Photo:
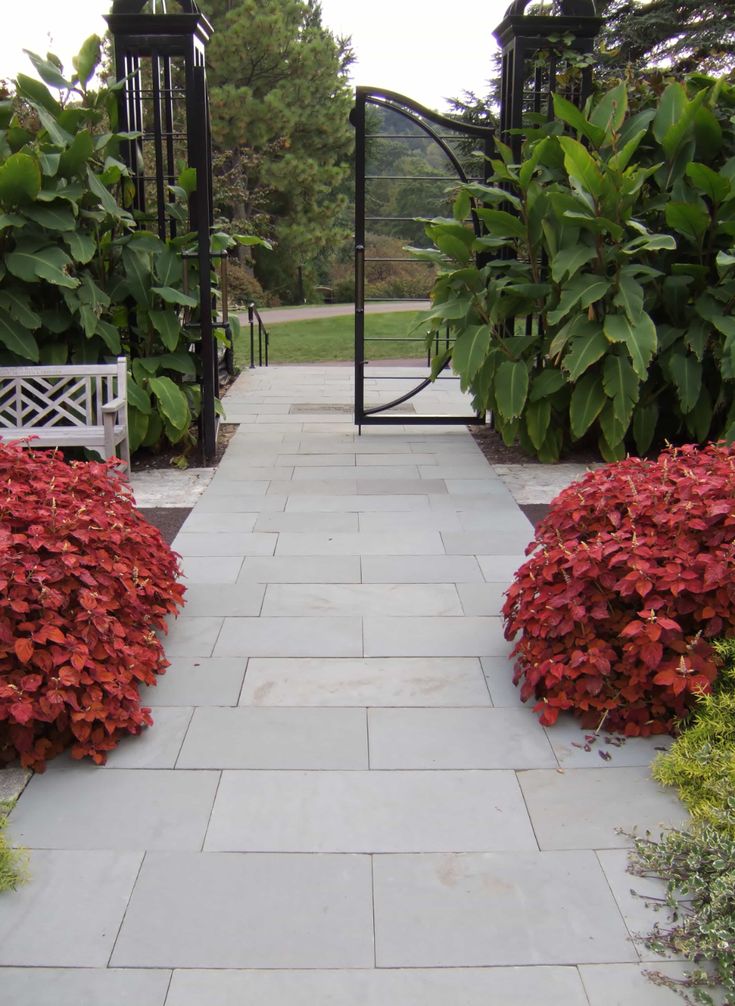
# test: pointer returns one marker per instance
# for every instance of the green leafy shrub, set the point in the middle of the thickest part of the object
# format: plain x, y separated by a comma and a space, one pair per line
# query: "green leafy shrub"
601, 307
81, 278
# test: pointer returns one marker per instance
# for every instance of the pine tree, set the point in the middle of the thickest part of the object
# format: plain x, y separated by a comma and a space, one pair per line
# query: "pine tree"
280, 103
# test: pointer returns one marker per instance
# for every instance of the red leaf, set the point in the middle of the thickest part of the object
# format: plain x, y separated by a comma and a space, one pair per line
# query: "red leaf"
24, 649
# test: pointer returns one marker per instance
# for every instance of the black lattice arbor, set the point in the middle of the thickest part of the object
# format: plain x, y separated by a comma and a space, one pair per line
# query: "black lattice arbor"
539, 51
161, 57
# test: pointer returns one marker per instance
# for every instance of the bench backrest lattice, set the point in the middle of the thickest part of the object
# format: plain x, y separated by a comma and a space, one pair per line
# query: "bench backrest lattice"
70, 405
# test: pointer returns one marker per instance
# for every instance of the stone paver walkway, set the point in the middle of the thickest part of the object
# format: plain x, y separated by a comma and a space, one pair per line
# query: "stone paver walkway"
342, 800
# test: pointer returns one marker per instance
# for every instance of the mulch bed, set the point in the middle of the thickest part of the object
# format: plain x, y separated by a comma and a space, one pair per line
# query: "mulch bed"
491, 444
168, 519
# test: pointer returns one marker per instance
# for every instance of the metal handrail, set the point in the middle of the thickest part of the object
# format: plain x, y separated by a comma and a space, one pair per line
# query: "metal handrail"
263, 338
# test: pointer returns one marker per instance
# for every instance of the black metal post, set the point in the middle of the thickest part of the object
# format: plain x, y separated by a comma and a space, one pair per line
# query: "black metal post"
358, 121
251, 320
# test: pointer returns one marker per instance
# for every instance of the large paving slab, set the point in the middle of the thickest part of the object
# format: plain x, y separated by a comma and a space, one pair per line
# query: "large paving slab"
69, 912
44, 986
382, 987
365, 681
230, 910
290, 636
276, 738
496, 909
84, 807
198, 681
457, 739
584, 808
368, 812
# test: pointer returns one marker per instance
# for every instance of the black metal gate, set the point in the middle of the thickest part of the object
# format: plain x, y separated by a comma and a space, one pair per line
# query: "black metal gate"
442, 151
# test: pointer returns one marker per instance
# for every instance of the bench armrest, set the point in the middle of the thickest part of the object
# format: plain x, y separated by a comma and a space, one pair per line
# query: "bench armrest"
114, 406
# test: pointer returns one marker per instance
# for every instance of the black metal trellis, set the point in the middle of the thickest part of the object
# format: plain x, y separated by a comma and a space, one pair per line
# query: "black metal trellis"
161, 57
444, 133
527, 82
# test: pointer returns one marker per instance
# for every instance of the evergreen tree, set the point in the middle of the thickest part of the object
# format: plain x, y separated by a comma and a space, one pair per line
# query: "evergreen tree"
686, 36
280, 103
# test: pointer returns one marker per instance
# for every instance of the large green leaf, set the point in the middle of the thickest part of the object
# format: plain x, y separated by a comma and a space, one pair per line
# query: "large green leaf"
501, 224
699, 420
671, 108
538, 417
137, 275
687, 219
610, 111
48, 71
511, 388
172, 401
110, 335
181, 363
639, 336
584, 289
82, 246
77, 154
715, 186
18, 305
137, 426
613, 430
20, 180
587, 401
86, 62
645, 419
48, 264
168, 326
567, 262
581, 167
139, 398
52, 218
568, 112
546, 383
470, 350
686, 373
621, 384
168, 267
171, 296
17, 339
629, 296
583, 353
37, 92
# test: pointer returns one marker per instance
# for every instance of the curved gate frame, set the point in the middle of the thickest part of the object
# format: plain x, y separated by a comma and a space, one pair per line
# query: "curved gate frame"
426, 120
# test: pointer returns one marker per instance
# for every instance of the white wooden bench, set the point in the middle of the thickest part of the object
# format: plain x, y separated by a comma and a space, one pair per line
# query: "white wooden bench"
67, 406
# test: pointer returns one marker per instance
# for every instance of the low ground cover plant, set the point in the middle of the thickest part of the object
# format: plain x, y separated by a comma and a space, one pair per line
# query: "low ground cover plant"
699, 864
13, 862
85, 583
630, 580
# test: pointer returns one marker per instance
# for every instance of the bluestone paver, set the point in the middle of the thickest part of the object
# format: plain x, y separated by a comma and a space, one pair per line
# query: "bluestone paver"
383, 987
69, 912
362, 599
84, 807
44, 986
294, 636
365, 681
276, 738
230, 910
496, 909
157, 746
626, 984
368, 812
198, 681
302, 569
456, 739
582, 808
420, 569
466, 636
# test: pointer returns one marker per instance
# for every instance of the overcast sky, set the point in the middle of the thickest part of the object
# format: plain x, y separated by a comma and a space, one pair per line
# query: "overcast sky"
428, 51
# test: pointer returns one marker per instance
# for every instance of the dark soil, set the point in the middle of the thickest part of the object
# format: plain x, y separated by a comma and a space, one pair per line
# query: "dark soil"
168, 519
146, 460
535, 511
491, 444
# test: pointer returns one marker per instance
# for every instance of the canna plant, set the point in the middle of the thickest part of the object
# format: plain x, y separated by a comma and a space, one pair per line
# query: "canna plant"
81, 276
597, 303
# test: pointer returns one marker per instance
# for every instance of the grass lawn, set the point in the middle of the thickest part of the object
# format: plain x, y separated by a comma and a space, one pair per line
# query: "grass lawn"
334, 339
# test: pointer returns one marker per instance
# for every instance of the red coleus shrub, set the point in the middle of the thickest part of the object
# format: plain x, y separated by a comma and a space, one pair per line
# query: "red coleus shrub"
84, 583
631, 578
